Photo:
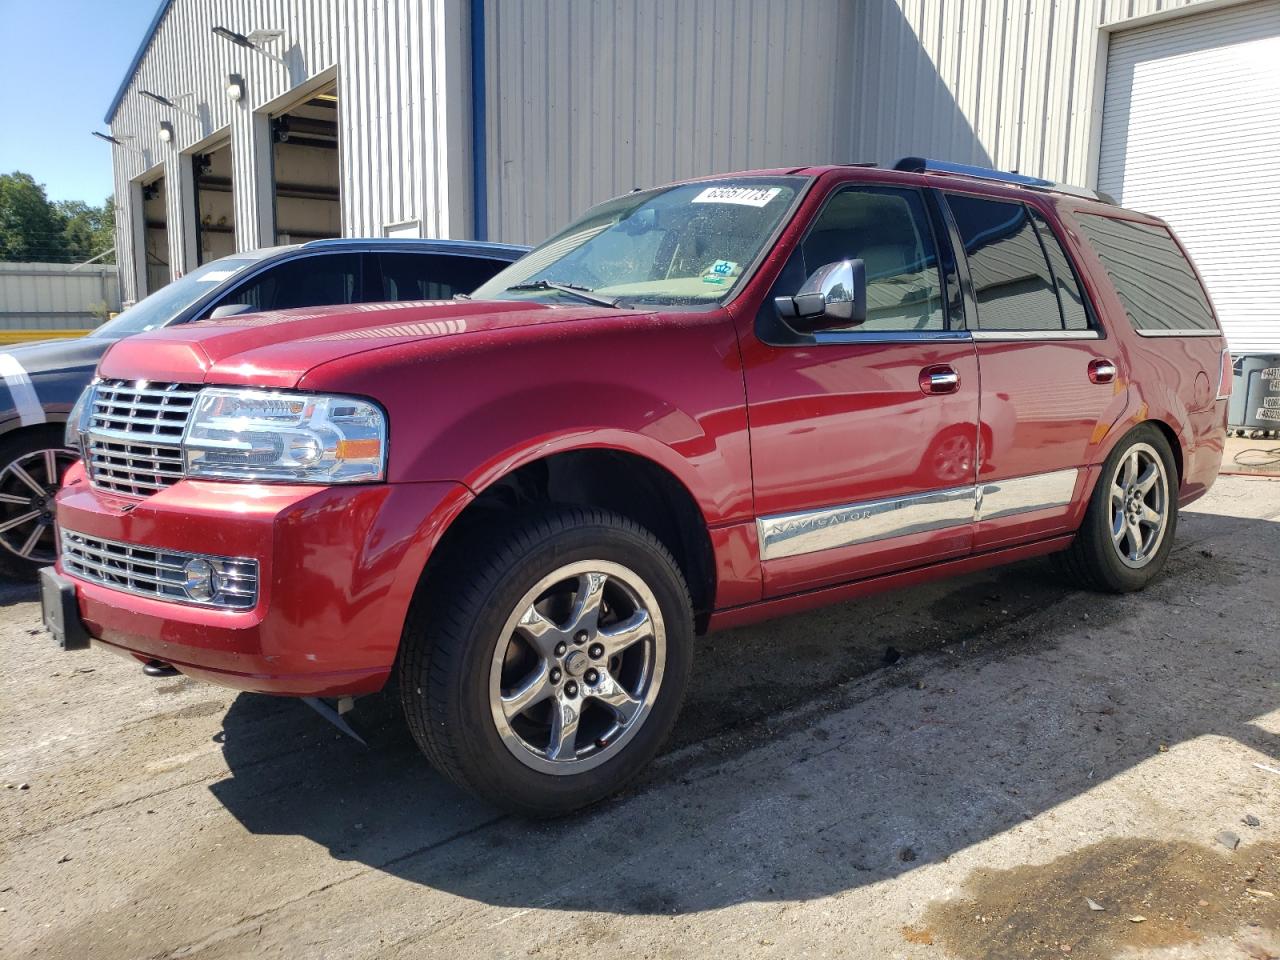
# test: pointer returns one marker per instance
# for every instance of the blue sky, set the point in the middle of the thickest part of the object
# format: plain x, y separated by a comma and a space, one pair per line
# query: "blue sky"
60, 64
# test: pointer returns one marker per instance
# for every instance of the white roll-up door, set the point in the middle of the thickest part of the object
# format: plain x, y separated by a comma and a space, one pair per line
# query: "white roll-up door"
1191, 133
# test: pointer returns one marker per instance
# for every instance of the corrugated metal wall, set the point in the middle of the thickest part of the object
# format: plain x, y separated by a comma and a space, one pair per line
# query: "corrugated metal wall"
1014, 84
56, 296
589, 99
395, 62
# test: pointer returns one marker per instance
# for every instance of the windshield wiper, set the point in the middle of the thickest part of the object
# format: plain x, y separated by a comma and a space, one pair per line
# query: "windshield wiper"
572, 289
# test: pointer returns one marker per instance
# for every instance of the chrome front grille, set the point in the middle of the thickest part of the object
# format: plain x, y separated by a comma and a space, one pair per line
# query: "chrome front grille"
134, 435
157, 573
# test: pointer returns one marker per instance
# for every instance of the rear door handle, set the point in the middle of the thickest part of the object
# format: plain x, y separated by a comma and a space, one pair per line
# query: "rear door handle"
1102, 371
939, 379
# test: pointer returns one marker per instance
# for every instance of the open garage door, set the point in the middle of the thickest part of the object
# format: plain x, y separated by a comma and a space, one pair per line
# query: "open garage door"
214, 203
305, 170
1191, 133
155, 235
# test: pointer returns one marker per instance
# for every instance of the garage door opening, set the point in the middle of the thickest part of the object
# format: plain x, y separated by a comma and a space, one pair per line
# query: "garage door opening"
155, 234
1191, 133
214, 204
305, 184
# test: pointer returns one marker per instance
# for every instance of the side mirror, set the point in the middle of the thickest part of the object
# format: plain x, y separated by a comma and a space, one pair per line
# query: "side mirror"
835, 295
230, 310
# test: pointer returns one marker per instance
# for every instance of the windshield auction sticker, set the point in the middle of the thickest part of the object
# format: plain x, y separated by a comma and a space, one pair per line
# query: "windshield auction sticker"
743, 196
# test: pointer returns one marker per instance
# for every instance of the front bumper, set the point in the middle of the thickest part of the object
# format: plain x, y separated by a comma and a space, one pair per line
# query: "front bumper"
338, 567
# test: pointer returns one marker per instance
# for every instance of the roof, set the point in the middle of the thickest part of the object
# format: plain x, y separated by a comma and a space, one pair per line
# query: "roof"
137, 59
497, 251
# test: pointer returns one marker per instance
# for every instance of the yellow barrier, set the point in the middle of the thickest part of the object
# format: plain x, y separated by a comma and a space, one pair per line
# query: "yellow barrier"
30, 336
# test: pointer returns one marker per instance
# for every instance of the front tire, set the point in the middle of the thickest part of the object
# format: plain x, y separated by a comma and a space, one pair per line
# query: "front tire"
546, 670
32, 464
1132, 517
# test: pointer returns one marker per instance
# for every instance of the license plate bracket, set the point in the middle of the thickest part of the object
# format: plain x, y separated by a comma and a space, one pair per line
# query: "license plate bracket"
60, 610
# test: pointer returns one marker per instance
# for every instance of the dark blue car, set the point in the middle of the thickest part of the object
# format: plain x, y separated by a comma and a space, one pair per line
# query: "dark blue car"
39, 382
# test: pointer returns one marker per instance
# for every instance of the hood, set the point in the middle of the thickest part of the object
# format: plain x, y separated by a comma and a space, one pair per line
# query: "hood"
40, 381
276, 349
50, 356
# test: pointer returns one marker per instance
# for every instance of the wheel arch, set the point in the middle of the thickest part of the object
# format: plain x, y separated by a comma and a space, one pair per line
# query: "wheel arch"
604, 472
1167, 430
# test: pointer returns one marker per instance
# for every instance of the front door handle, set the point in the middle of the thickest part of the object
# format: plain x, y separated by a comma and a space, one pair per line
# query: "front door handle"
1102, 371
939, 379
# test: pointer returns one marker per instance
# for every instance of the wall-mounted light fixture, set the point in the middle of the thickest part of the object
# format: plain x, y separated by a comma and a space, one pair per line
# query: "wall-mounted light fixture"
239, 39
171, 102
235, 87
118, 141
166, 131
254, 41
163, 101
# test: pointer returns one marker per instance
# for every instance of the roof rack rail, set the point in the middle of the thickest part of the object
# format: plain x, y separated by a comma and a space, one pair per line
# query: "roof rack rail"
923, 165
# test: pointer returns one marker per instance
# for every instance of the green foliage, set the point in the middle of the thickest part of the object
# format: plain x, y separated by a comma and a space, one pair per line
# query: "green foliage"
89, 230
34, 229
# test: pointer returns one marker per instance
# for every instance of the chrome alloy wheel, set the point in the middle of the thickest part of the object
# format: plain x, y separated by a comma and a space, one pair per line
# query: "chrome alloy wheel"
577, 667
1139, 505
27, 488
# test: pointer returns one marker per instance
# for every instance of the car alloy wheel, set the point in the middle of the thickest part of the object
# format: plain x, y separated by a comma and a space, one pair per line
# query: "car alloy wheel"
1139, 505
577, 667
28, 486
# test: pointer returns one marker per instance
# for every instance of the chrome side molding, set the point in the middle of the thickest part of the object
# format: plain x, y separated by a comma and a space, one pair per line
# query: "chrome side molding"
791, 534
811, 531
1024, 494
1036, 335
1190, 332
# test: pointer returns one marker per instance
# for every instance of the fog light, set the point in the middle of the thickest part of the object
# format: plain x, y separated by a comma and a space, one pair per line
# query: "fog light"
198, 579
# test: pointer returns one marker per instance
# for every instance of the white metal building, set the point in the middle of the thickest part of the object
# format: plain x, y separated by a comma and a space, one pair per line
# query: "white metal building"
244, 123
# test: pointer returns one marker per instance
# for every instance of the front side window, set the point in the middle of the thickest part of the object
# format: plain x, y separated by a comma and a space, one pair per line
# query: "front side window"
888, 230
687, 245
165, 304
310, 281
1153, 277
1012, 281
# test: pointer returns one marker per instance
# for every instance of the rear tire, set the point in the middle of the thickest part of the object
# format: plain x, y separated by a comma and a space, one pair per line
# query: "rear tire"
32, 464
1132, 517
545, 668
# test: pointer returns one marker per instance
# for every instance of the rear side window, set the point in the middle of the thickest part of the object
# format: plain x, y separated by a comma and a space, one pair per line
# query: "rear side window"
424, 276
1012, 280
1070, 299
1153, 277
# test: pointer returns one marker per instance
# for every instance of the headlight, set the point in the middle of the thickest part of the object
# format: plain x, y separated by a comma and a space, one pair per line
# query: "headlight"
291, 437
74, 437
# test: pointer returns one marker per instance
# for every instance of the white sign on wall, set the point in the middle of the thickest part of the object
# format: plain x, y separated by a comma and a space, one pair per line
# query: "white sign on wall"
404, 230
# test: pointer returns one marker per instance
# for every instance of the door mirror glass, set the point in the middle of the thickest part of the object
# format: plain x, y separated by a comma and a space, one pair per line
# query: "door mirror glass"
229, 310
835, 295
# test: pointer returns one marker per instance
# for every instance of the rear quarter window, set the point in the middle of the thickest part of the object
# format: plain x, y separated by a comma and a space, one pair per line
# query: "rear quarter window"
1152, 276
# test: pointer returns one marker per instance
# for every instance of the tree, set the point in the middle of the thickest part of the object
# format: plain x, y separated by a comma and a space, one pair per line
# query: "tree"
31, 228
89, 230
34, 229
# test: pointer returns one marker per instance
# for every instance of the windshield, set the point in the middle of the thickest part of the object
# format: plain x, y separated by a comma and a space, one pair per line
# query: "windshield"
166, 303
688, 244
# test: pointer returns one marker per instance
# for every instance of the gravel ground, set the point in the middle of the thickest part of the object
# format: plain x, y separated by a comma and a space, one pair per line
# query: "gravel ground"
953, 771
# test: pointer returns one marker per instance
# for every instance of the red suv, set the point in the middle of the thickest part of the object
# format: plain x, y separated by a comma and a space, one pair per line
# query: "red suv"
698, 406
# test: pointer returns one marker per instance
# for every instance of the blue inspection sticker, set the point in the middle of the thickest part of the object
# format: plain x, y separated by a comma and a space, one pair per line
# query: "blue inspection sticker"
720, 272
